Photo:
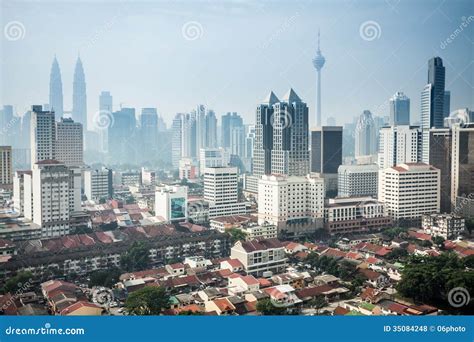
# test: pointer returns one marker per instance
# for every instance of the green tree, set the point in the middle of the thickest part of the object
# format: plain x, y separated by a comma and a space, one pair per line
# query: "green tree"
22, 281
136, 258
397, 254
149, 300
266, 307
317, 303
106, 278
438, 241
237, 235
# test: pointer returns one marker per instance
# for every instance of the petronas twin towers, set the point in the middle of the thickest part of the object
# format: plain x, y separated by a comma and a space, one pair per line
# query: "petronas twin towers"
79, 97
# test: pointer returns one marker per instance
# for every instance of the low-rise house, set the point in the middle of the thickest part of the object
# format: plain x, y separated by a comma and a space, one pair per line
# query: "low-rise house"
82, 308
234, 265
222, 306
375, 279
176, 269
197, 262
294, 279
294, 247
283, 295
239, 284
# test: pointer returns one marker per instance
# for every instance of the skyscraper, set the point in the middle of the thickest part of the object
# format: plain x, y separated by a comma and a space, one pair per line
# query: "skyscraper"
229, 121
318, 63
433, 108
176, 139
105, 108
211, 129
263, 145
122, 135
79, 98
398, 145
290, 153
399, 109
56, 90
326, 155
149, 133
43, 135
365, 135
440, 158
6, 169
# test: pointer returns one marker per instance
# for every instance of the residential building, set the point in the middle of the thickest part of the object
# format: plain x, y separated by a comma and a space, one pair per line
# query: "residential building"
69, 142
410, 190
148, 177
445, 225
357, 180
354, 215
43, 135
294, 204
260, 257
98, 184
6, 168
188, 168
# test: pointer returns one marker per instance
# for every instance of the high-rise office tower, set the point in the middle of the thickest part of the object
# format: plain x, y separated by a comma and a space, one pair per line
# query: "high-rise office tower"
365, 135
399, 145
149, 133
440, 158
69, 142
237, 141
326, 155
211, 129
105, 108
399, 109
318, 63
462, 169
6, 168
290, 153
249, 147
229, 121
447, 104
56, 90
176, 139
264, 136
410, 190
201, 131
79, 97
43, 135
433, 108
7, 125
122, 135
189, 135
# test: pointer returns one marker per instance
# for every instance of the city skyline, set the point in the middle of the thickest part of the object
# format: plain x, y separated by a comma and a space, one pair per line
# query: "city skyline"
356, 78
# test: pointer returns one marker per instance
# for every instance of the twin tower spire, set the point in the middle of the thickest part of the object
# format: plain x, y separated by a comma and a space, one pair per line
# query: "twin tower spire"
79, 97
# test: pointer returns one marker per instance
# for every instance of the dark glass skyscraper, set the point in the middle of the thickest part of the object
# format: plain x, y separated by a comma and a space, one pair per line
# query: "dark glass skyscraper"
79, 98
326, 149
56, 90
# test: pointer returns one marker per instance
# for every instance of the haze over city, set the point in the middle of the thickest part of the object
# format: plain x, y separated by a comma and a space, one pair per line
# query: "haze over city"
238, 52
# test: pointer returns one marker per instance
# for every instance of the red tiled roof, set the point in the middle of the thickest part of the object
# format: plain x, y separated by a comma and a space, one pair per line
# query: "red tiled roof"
235, 263
76, 306
261, 245
313, 291
224, 304
340, 311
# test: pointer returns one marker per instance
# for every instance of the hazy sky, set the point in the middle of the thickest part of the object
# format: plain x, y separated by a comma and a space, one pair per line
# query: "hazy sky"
142, 53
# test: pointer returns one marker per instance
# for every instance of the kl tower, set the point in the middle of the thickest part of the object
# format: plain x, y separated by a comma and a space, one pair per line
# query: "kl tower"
318, 63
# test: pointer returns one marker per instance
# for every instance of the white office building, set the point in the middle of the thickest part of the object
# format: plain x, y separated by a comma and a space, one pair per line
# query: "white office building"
171, 203
410, 190
357, 180
213, 157
398, 145
43, 135
221, 192
295, 204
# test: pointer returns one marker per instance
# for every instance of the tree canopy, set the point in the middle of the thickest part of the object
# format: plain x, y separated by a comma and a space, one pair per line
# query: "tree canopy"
136, 258
146, 301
